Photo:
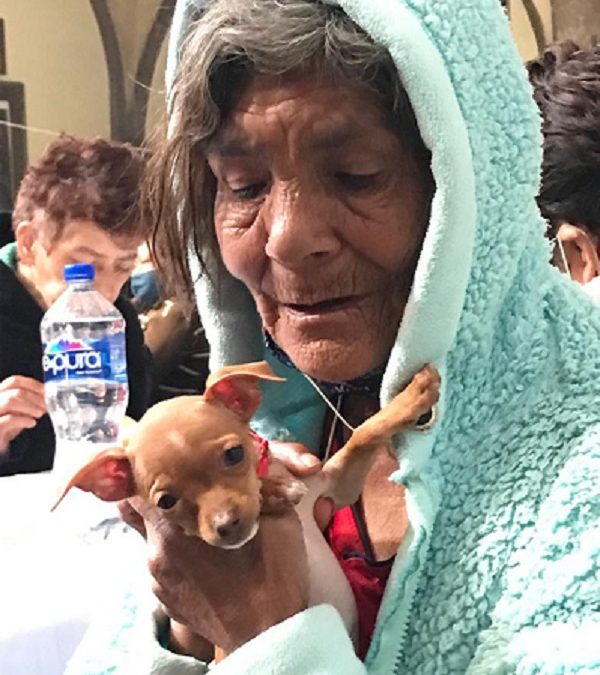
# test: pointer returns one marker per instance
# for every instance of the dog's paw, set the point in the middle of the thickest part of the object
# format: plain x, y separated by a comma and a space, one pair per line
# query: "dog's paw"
416, 402
425, 392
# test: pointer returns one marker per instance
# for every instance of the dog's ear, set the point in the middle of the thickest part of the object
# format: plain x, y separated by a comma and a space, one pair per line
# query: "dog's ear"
109, 475
237, 387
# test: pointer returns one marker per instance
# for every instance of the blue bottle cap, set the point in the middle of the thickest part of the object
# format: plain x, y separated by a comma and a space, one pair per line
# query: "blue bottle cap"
79, 272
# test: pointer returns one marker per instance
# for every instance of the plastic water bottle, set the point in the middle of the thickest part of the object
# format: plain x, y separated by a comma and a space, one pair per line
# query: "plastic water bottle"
85, 370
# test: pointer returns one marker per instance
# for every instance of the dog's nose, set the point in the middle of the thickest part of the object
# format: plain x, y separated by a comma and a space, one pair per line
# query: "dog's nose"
225, 531
226, 523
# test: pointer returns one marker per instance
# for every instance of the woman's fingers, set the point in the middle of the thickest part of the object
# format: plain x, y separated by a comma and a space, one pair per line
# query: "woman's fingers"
21, 402
22, 396
11, 426
21, 405
324, 510
22, 382
300, 461
296, 457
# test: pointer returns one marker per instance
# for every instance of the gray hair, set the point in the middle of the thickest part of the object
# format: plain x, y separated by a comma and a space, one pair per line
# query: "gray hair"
232, 41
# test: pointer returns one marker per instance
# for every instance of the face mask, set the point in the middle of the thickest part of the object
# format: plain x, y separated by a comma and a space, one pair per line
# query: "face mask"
592, 288
145, 287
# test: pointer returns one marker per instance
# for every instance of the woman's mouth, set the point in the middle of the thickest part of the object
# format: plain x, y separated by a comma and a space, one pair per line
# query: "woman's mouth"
324, 307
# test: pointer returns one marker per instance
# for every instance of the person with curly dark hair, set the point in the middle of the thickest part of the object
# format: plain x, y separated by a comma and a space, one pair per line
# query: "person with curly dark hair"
566, 82
77, 203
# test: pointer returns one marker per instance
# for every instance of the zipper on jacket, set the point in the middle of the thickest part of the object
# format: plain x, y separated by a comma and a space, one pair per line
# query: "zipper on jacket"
413, 565
410, 601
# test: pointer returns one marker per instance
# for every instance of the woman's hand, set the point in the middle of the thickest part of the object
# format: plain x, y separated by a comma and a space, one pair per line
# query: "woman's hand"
228, 596
300, 461
21, 405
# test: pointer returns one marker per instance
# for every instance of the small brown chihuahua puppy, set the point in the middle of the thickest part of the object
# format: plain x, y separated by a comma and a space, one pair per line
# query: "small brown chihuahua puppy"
196, 459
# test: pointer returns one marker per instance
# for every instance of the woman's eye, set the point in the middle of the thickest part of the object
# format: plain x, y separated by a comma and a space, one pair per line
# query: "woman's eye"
233, 456
166, 502
251, 191
356, 182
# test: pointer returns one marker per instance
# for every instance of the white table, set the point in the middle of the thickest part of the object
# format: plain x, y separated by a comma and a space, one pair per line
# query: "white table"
56, 571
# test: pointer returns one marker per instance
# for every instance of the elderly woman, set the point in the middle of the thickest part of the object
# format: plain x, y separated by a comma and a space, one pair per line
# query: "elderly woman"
358, 180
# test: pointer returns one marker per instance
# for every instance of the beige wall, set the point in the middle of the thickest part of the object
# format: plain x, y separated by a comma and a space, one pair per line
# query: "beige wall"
133, 19
54, 47
521, 26
578, 20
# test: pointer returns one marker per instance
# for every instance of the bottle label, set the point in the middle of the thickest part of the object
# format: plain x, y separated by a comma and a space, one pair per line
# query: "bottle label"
104, 359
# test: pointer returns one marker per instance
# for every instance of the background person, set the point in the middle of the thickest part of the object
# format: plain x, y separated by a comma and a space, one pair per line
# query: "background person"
77, 203
173, 335
144, 284
359, 179
566, 82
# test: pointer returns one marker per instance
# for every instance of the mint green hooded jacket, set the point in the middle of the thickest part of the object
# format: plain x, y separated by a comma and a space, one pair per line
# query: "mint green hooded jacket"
499, 571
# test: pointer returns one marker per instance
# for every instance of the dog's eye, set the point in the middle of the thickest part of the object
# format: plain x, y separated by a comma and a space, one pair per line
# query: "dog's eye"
166, 502
234, 455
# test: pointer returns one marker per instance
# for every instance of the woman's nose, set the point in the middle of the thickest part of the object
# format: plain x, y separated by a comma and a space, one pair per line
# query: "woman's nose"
299, 226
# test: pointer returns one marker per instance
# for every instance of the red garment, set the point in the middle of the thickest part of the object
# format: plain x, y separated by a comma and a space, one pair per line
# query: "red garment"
366, 576
262, 467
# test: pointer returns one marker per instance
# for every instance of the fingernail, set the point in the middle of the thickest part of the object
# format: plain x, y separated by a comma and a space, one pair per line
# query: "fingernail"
309, 460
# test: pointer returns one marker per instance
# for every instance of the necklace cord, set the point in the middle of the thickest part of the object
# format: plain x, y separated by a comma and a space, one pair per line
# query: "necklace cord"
335, 411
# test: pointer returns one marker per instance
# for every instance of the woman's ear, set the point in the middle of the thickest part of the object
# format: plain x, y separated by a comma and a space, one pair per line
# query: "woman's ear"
581, 259
26, 234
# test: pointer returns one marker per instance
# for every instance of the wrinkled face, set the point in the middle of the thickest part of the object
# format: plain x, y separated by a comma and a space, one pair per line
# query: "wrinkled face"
320, 210
197, 463
82, 242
